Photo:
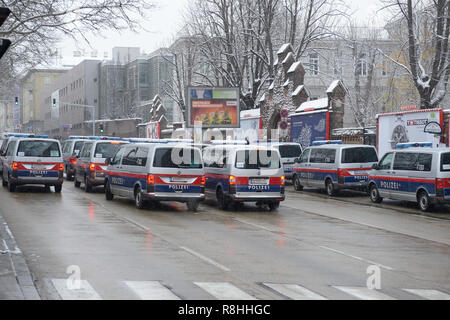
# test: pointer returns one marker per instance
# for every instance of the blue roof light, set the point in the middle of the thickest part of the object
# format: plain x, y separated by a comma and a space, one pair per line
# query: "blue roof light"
229, 142
78, 137
42, 136
323, 142
414, 145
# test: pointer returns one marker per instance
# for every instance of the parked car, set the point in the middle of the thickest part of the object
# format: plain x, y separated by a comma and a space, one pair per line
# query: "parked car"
333, 166
244, 173
90, 166
156, 172
33, 161
413, 172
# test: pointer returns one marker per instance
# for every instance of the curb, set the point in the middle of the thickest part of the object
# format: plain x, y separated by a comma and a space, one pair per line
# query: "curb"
399, 209
18, 264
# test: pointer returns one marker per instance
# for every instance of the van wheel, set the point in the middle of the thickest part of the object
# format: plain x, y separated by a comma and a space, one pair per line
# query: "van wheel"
221, 201
4, 183
58, 188
47, 188
108, 194
76, 183
424, 201
87, 185
329, 186
11, 187
374, 194
274, 205
297, 185
193, 205
139, 198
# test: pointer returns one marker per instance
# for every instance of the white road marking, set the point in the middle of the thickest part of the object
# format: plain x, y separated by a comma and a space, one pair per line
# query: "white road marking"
151, 290
8, 231
224, 291
206, 259
357, 258
86, 292
323, 247
294, 291
364, 293
429, 294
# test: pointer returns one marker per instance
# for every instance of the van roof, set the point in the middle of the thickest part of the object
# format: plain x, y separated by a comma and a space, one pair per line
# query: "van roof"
428, 150
242, 147
341, 146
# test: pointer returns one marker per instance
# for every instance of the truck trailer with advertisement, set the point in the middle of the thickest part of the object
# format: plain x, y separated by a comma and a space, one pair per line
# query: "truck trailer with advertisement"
407, 126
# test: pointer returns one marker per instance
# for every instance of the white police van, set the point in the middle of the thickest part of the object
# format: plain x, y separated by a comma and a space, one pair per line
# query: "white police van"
90, 165
70, 149
35, 160
289, 152
334, 166
4, 140
414, 172
244, 173
156, 171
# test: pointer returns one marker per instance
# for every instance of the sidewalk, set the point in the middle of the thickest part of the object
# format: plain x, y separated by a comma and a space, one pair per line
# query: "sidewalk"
15, 278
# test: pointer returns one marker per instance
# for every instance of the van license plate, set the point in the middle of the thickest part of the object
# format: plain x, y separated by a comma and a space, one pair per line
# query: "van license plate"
258, 181
178, 179
39, 173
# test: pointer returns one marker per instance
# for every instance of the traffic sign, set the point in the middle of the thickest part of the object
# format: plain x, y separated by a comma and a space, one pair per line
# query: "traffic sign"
283, 125
284, 113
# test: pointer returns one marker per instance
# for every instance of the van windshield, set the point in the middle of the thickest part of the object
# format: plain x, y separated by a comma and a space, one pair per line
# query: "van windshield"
256, 159
445, 162
359, 155
183, 158
38, 148
78, 146
290, 151
106, 150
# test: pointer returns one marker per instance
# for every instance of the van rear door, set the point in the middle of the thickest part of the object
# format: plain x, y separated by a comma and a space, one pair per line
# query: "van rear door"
177, 169
38, 158
258, 171
356, 163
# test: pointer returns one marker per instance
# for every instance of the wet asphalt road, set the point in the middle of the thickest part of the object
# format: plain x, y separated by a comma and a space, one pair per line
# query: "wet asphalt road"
321, 245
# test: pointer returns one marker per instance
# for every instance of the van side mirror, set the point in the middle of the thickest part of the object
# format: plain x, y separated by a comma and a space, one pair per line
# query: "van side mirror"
376, 166
297, 160
108, 161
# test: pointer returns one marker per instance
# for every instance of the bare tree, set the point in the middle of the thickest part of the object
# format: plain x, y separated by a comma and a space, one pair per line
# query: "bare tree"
35, 26
424, 27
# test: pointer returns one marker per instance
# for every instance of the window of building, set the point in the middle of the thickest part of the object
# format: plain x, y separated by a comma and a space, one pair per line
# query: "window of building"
362, 65
384, 68
314, 64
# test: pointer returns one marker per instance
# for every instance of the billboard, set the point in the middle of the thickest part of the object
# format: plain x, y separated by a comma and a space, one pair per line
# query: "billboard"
213, 107
153, 130
401, 127
310, 126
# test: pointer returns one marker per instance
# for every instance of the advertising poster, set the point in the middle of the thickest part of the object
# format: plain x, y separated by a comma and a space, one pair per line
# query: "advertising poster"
152, 130
402, 127
308, 127
213, 107
250, 129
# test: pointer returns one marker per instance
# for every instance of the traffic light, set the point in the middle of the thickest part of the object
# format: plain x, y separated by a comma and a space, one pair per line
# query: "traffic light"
101, 127
16, 101
4, 43
54, 103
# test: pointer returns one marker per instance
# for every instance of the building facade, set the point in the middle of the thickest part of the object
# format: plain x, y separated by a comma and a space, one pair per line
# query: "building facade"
33, 84
79, 86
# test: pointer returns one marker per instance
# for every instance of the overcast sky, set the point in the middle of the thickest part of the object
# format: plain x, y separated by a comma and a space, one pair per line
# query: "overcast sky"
166, 20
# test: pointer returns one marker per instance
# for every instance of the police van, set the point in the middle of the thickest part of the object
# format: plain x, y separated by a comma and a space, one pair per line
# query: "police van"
35, 160
4, 140
90, 165
333, 166
244, 173
157, 171
70, 149
414, 172
289, 152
